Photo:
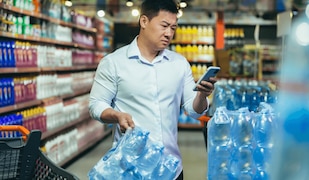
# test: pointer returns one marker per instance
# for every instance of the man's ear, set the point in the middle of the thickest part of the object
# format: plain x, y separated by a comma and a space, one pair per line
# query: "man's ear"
143, 20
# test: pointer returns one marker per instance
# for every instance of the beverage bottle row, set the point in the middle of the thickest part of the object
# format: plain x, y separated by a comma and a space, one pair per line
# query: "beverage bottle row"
235, 94
198, 70
196, 52
194, 34
234, 37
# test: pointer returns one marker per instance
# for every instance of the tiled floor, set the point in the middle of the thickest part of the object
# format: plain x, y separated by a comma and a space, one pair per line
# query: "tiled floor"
192, 146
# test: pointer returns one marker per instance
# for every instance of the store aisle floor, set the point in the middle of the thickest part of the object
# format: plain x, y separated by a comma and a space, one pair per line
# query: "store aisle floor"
192, 147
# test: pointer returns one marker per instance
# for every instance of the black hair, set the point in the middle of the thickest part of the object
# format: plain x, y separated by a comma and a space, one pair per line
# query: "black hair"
151, 8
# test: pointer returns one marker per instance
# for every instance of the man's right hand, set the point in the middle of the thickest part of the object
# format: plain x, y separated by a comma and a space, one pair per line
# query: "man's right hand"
125, 121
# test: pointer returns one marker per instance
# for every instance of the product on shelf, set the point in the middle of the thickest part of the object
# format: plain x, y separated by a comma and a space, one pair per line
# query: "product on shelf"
11, 119
82, 20
196, 53
34, 118
234, 37
243, 61
194, 34
6, 92
24, 89
62, 146
104, 36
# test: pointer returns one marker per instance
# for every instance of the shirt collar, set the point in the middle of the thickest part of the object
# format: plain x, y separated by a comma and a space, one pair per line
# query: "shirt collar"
134, 53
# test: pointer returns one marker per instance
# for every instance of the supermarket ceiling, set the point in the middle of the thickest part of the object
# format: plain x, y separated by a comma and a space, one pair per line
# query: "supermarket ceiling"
90, 7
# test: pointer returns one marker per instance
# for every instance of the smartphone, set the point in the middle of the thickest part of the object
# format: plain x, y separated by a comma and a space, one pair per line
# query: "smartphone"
211, 72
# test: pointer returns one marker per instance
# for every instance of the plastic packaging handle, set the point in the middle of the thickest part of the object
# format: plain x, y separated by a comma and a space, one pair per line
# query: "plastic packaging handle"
25, 132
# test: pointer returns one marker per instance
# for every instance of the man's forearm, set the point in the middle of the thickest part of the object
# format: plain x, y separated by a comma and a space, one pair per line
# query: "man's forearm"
200, 103
109, 116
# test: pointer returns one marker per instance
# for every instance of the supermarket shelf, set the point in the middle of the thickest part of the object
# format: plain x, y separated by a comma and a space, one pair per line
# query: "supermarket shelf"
37, 102
193, 43
20, 106
270, 70
53, 132
72, 68
83, 149
76, 93
44, 40
45, 17
30, 71
10, 70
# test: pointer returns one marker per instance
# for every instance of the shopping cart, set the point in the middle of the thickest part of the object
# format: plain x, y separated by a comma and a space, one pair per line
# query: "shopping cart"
21, 158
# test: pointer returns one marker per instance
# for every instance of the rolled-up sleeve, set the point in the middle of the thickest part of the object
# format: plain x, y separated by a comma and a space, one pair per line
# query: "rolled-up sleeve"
103, 89
188, 96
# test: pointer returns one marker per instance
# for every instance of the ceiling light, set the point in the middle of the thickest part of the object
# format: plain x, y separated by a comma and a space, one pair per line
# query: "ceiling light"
101, 13
183, 4
129, 3
135, 12
68, 3
180, 13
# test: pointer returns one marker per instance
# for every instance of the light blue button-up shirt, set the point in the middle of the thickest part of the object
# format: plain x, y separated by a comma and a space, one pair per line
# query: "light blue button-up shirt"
151, 92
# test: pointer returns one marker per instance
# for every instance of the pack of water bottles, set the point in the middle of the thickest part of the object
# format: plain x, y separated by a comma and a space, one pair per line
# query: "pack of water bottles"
135, 156
240, 143
235, 94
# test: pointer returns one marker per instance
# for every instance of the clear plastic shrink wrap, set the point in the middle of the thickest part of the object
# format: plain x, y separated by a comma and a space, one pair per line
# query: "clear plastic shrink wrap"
135, 156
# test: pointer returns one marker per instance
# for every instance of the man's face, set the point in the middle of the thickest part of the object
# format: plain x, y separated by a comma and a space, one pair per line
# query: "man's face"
161, 29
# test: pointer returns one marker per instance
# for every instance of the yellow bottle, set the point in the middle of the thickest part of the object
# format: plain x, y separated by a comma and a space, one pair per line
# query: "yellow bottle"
194, 72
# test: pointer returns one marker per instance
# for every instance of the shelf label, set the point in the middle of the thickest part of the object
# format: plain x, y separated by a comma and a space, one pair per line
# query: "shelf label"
284, 23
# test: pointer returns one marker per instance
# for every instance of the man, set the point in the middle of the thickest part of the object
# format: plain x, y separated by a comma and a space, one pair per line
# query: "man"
144, 84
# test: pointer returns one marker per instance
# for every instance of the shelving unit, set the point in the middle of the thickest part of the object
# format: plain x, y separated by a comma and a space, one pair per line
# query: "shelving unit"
196, 43
244, 37
95, 53
270, 62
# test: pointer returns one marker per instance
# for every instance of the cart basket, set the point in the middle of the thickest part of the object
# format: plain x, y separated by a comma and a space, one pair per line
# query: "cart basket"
21, 158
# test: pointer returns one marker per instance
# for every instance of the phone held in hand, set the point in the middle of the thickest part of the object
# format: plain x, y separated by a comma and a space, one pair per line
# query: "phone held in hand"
211, 72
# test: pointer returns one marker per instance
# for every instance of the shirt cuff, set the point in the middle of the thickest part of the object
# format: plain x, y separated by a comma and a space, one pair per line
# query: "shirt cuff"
97, 109
192, 113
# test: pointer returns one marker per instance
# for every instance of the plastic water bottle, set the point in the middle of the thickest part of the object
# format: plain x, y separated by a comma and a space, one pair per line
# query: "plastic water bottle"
255, 100
135, 144
149, 159
242, 137
166, 169
135, 156
219, 145
131, 174
244, 101
242, 128
231, 103
291, 157
109, 169
264, 129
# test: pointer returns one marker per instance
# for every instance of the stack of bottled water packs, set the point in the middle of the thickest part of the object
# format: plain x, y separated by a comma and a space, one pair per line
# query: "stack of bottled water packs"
240, 143
136, 157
